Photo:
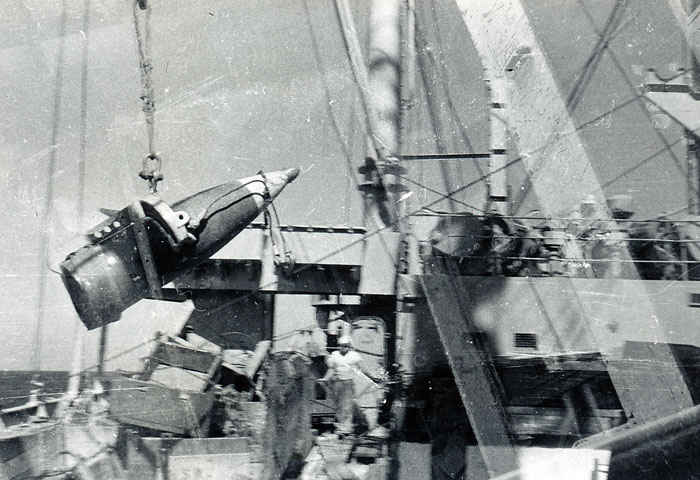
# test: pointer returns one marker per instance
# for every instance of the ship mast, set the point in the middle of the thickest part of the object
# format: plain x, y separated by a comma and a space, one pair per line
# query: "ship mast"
382, 170
378, 81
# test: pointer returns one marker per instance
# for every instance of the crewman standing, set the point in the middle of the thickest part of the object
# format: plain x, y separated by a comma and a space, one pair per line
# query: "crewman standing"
343, 365
338, 326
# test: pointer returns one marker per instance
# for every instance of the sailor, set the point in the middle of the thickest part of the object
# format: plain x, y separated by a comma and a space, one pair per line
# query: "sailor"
343, 365
586, 229
337, 327
572, 250
616, 241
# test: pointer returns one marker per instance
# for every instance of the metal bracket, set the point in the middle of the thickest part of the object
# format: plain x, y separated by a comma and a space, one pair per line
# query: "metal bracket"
674, 98
137, 216
175, 222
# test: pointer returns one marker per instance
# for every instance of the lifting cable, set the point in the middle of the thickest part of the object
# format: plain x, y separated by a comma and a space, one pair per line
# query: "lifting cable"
151, 168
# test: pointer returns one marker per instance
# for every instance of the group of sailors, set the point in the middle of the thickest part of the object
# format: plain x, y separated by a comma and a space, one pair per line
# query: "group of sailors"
591, 242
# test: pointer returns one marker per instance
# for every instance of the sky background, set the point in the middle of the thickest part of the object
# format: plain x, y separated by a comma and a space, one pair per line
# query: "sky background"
242, 86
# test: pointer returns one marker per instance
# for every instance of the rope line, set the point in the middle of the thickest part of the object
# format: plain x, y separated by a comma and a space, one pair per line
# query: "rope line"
143, 43
151, 171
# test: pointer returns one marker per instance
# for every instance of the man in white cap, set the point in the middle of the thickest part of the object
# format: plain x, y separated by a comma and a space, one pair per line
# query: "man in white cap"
343, 365
337, 327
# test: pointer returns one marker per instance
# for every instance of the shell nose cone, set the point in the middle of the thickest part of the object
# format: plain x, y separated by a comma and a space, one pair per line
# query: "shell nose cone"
292, 174
277, 180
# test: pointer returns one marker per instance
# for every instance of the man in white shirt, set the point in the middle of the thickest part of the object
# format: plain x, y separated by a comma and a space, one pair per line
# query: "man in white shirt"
343, 366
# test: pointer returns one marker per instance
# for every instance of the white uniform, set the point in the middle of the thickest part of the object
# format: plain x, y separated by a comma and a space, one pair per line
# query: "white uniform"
346, 365
344, 368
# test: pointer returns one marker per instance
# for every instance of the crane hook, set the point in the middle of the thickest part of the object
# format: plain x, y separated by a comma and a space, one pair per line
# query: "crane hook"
151, 171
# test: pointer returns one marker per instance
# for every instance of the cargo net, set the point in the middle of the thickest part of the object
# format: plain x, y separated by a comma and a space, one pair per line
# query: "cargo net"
655, 249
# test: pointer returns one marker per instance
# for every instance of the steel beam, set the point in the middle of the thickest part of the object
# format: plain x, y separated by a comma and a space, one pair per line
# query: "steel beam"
474, 373
645, 437
328, 261
676, 101
247, 275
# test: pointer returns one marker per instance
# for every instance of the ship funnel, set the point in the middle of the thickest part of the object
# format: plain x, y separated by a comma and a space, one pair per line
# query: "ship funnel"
147, 244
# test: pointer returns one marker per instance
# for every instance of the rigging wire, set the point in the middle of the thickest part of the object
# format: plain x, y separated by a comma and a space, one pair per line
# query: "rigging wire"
454, 114
434, 114
642, 162
115, 356
86, 369
83, 113
581, 260
590, 122
586, 75
432, 190
591, 66
631, 87
437, 63
407, 67
350, 179
519, 159
49, 200
579, 127
79, 337
347, 151
580, 239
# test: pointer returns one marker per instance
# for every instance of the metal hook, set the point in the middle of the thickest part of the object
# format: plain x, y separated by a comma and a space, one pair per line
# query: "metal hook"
151, 171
